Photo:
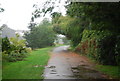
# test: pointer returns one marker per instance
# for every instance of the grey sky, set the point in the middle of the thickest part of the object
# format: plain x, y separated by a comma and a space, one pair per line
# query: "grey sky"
17, 13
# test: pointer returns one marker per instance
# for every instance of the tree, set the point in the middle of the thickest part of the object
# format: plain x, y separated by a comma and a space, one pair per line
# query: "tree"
55, 16
100, 19
40, 36
72, 28
101, 16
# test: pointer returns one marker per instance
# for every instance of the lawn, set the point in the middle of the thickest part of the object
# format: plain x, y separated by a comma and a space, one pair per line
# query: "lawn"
31, 68
112, 71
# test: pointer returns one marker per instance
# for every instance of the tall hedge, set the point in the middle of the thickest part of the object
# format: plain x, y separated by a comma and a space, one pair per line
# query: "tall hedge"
103, 46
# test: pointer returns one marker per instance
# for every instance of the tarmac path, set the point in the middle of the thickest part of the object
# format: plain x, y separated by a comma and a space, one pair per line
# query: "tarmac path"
68, 65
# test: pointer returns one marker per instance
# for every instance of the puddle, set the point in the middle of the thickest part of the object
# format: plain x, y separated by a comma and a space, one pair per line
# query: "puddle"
50, 66
53, 72
74, 67
82, 72
68, 75
75, 71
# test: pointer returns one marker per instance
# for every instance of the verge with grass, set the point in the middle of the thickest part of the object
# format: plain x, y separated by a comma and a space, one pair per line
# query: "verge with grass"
112, 71
31, 68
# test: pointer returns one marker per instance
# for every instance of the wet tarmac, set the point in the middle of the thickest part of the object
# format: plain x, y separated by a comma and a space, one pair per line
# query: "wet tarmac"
67, 65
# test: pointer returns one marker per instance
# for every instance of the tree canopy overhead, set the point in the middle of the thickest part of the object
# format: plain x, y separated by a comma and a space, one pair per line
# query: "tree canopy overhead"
101, 16
90, 26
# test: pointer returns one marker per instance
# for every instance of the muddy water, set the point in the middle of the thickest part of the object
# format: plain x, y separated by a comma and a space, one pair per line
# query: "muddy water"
86, 73
68, 65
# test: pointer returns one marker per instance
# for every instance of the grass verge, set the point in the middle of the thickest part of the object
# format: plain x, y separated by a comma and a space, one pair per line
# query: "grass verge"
112, 71
31, 68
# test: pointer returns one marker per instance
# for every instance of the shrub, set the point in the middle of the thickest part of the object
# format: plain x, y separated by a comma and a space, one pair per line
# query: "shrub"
13, 56
4, 57
13, 49
101, 46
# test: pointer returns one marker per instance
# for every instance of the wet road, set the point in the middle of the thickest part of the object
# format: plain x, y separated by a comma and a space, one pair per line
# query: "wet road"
68, 65
60, 49
58, 66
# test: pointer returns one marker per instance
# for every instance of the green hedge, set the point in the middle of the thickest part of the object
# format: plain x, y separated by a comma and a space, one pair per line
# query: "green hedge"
103, 46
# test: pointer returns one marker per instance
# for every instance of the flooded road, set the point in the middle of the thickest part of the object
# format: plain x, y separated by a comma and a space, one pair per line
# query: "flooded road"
68, 65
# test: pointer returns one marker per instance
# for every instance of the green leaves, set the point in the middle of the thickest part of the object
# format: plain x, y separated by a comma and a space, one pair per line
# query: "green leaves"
40, 36
6, 46
102, 16
100, 45
13, 49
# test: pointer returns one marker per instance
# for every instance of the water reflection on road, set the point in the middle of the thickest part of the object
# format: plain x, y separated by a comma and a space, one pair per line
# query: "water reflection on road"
68, 65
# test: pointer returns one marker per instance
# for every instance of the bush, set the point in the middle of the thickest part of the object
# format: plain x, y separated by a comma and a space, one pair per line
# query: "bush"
4, 57
13, 49
107, 50
13, 56
101, 46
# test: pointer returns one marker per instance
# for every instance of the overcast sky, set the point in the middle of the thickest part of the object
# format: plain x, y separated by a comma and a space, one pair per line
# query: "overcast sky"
17, 13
